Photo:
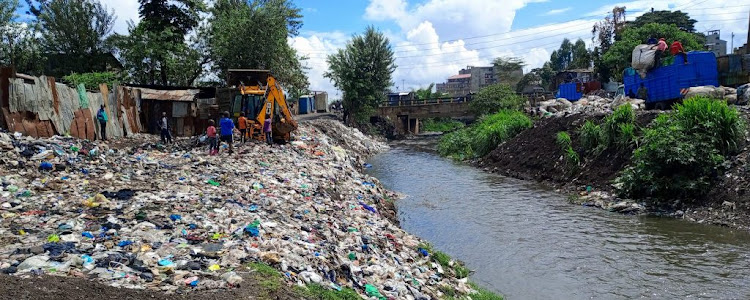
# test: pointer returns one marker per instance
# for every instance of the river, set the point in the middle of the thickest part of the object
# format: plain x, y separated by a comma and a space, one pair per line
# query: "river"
526, 242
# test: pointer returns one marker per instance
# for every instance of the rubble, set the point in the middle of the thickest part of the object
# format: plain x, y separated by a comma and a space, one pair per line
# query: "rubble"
175, 218
595, 104
589, 104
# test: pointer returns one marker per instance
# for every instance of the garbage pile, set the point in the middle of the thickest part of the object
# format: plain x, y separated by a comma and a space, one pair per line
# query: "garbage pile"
143, 217
727, 93
589, 104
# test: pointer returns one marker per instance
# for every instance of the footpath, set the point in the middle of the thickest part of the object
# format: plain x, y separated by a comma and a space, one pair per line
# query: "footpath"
163, 220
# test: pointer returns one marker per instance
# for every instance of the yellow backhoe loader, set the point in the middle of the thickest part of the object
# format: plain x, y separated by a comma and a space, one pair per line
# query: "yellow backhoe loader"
260, 97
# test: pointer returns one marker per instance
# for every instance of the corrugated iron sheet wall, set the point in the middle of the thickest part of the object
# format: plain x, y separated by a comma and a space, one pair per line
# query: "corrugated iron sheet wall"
44, 108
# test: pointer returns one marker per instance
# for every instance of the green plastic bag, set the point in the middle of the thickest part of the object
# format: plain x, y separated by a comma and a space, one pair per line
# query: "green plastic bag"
372, 291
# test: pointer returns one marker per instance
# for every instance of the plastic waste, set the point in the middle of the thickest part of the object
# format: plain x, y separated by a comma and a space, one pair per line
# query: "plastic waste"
46, 166
213, 182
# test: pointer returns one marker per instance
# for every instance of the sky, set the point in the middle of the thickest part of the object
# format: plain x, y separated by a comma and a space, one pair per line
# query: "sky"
434, 39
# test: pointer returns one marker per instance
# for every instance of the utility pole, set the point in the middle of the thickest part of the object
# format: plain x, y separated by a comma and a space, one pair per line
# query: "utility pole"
731, 50
402, 84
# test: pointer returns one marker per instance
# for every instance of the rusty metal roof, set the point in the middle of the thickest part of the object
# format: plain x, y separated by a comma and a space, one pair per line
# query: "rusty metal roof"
169, 95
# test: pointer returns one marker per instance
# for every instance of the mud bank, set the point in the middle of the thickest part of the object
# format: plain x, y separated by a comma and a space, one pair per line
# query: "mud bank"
535, 155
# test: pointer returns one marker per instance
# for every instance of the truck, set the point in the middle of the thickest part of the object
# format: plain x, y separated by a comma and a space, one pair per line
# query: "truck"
668, 84
260, 96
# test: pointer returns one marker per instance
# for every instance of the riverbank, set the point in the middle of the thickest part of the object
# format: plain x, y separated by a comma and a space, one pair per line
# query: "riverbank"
175, 220
535, 154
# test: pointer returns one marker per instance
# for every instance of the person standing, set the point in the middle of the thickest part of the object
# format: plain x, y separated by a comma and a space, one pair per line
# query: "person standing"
213, 147
227, 129
643, 92
242, 125
267, 130
166, 136
102, 117
676, 49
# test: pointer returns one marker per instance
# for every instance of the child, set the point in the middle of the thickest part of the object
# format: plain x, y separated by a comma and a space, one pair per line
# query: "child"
213, 146
227, 130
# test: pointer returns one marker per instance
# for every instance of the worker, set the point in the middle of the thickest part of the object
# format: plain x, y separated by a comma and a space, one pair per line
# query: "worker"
227, 129
660, 47
643, 92
102, 117
676, 49
166, 136
267, 131
242, 125
631, 95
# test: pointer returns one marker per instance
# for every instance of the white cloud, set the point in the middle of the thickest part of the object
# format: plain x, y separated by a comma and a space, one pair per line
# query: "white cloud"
125, 10
556, 11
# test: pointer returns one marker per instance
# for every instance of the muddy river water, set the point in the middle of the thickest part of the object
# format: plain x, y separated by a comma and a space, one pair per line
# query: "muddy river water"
526, 242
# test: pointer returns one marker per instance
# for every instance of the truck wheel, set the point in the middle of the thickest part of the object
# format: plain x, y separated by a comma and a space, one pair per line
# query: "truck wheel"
660, 105
649, 105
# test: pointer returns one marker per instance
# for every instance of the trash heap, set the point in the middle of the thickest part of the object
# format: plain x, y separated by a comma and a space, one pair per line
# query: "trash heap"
144, 217
594, 104
589, 104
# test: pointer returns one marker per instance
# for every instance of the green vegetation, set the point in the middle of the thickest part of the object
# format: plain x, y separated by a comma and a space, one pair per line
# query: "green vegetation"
483, 294
591, 136
92, 80
566, 145
316, 291
563, 140
495, 98
683, 151
362, 71
617, 130
271, 280
484, 136
440, 125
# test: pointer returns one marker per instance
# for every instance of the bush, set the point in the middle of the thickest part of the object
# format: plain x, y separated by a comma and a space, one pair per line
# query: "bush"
626, 137
590, 135
92, 80
563, 140
495, 98
622, 115
484, 136
440, 125
682, 152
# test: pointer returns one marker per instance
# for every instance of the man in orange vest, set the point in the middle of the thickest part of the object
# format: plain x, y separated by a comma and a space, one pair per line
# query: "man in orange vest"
242, 124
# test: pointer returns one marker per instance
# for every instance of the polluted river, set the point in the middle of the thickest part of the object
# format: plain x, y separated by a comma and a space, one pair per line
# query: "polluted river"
525, 241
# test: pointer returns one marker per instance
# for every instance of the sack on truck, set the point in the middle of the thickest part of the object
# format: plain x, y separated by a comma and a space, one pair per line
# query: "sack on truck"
643, 59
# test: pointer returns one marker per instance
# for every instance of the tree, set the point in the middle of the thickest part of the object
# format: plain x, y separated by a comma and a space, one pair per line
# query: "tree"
680, 19
426, 93
494, 98
604, 34
19, 42
156, 50
363, 71
619, 56
253, 35
537, 76
509, 69
178, 16
570, 56
151, 57
73, 33
7, 12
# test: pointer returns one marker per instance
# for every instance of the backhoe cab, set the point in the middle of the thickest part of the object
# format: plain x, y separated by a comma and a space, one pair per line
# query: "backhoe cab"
259, 97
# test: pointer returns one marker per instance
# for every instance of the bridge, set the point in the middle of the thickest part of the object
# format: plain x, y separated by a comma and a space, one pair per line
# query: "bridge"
407, 113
